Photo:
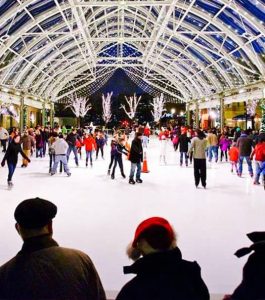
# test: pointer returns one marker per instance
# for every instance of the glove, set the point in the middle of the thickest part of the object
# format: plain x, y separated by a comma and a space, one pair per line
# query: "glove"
2, 163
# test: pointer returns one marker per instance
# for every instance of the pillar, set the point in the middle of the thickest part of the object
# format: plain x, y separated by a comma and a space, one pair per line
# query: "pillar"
222, 113
21, 114
197, 119
188, 114
52, 114
43, 113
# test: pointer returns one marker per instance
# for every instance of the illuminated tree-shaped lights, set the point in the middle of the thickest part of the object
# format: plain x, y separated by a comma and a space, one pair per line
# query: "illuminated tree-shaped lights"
158, 107
133, 104
106, 105
251, 107
79, 107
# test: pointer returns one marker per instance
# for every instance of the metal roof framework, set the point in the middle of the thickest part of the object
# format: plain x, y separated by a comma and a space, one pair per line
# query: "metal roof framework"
188, 49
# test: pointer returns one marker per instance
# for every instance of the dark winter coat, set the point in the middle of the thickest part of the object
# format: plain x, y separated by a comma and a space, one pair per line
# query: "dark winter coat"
43, 270
183, 143
244, 143
252, 286
136, 152
11, 155
71, 138
100, 141
164, 276
39, 141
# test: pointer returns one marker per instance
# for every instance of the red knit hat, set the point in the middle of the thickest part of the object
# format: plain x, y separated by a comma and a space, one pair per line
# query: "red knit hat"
154, 222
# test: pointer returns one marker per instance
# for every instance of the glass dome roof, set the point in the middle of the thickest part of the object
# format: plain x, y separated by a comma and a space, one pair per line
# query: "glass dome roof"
187, 49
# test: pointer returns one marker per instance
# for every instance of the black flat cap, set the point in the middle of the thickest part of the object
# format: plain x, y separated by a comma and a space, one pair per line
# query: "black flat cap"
35, 213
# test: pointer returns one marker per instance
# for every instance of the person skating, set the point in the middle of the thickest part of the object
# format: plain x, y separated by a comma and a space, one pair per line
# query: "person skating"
60, 147
101, 141
120, 149
71, 140
90, 146
234, 156
11, 156
163, 138
113, 149
183, 142
244, 144
28, 143
136, 157
198, 146
259, 153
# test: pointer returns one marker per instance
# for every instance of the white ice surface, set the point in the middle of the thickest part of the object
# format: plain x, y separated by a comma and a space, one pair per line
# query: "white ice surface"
99, 215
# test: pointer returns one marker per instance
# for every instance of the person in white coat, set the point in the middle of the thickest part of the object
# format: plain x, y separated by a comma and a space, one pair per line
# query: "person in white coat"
4, 135
60, 147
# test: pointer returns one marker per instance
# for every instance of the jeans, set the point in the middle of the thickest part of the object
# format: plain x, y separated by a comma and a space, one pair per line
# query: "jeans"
241, 159
213, 151
138, 172
89, 155
63, 159
185, 154
260, 169
200, 171
44, 148
52, 159
70, 149
39, 152
11, 170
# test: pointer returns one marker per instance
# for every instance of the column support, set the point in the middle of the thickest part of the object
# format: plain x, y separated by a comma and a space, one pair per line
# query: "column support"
21, 113
197, 120
52, 114
188, 113
222, 113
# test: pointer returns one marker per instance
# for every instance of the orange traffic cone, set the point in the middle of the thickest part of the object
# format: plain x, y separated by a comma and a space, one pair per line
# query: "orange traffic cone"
145, 168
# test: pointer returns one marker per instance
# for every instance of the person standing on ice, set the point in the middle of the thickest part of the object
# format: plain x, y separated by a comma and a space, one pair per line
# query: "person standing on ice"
198, 146
71, 140
120, 149
163, 138
60, 147
136, 157
11, 156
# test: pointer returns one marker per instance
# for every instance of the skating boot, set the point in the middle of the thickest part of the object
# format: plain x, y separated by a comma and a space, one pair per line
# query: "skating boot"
108, 172
10, 184
131, 181
123, 175
112, 176
139, 180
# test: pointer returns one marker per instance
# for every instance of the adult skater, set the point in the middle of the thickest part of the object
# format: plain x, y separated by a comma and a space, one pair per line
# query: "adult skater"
28, 144
161, 273
163, 138
244, 144
198, 146
136, 157
60, 147
183, 142
71, 140
120, 149
11, 156
100, 140
113, 149
42, 269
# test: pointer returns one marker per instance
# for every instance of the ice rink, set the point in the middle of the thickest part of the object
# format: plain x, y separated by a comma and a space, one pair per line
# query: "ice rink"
99, 215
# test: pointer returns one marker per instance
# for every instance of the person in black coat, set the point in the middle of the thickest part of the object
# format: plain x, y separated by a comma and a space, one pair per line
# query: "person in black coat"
184, 147
136, 157
161, 273
252, 286
11, 157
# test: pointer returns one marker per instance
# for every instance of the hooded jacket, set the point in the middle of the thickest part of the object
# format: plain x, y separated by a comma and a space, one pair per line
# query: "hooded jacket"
164, 276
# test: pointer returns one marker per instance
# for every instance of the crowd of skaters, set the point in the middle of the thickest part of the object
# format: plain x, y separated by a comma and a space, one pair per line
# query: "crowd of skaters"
44, 270
195, 146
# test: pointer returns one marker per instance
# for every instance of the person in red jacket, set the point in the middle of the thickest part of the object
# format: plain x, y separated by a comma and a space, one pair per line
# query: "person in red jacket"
90, 146
259, 152
234, 156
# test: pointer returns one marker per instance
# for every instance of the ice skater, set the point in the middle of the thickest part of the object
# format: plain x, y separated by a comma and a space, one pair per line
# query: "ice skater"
163, 138
120, 149
11, 156
234, 156
136, 157
60, 147
90, 146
